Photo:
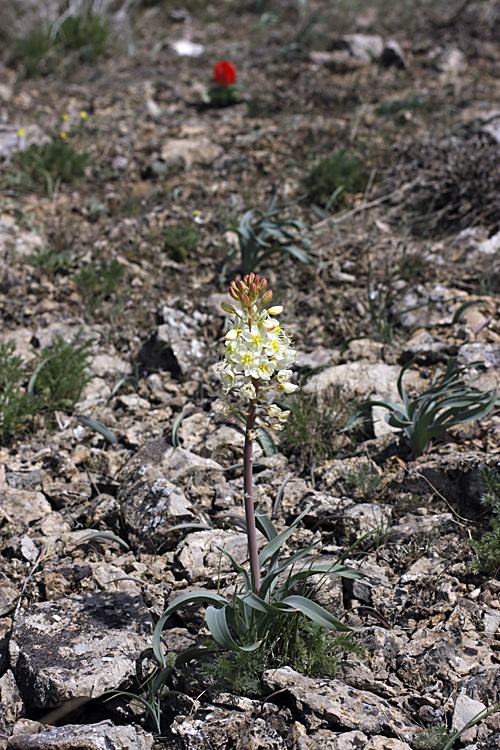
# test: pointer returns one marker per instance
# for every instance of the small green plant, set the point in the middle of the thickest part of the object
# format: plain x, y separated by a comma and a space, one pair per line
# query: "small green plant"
180, 240
57, 160
51, 261
447, 402
334, 177
97, 282
34, 50
311, 427
432, 737
86, 32
236, 671
264, 233
16, 405
41, 49
309, 648
487, 548
365, 479
60, 374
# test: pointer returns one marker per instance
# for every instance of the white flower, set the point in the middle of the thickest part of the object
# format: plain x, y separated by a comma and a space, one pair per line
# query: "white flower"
265, 369
287, 387
247, 390
253, 337
273, 410
284, 376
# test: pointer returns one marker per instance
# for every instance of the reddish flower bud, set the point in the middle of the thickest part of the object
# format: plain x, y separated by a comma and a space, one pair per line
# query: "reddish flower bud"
262, 285
250, 278
267, 297
245, 300
252, 291
234, 294
224, 73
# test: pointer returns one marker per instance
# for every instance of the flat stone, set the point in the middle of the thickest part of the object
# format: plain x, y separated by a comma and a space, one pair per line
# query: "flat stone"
176, 346
30, 506
220, 729
10, 697
151, 504
466, 709
8, 595
78, 647
183, 152
367, 47
362, 518
102, 736
200, 554
332, 703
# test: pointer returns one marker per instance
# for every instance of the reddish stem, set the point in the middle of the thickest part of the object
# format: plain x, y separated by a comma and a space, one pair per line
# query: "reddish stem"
248, 496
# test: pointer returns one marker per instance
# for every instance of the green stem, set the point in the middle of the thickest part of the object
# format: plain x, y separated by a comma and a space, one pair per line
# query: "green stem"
248, 495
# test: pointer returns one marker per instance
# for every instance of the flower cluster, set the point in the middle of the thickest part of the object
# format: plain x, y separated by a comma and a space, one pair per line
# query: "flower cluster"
258, 352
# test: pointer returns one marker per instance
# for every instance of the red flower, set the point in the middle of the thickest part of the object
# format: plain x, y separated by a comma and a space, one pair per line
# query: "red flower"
224, 73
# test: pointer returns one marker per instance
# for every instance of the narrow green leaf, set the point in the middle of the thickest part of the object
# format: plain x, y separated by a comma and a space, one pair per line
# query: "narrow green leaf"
275, 544
265, 525
317, 614
201, 597
217, 624
98, 427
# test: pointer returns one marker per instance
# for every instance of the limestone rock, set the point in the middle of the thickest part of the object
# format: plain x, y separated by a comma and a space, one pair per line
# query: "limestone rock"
102, 736
12, 236
362, 518
77, 647
10, 698
466, 709
8, 595
176, 345
150, 505
185, 153
332, 703
200, 553
265, 726
367, 47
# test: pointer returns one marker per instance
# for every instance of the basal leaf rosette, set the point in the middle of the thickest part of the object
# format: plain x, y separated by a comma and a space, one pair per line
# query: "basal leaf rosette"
257, 356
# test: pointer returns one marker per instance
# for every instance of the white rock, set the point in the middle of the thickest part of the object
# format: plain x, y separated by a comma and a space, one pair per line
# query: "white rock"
466, 709
185, 48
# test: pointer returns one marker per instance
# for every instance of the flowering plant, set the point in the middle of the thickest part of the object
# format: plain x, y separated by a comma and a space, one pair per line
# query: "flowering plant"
225, 90
257, 357
225, 73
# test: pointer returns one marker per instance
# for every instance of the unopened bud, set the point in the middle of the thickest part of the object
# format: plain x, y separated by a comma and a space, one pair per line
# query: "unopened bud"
276, 310
228, 308
250, 278
245, 300
234, 293
262, 285
252, 291
267, 297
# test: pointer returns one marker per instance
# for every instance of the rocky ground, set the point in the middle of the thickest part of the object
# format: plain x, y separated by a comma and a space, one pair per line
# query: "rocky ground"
407, 266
